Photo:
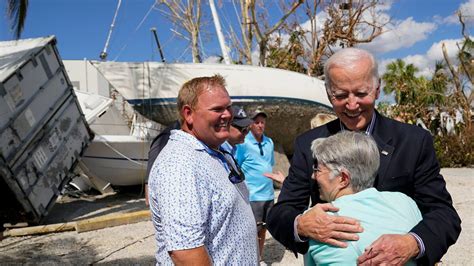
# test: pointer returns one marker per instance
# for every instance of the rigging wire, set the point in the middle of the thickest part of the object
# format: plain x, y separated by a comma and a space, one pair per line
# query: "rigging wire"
135, 31
240, 28
184, 52
236, 12
203, 53
232, 33
168, 41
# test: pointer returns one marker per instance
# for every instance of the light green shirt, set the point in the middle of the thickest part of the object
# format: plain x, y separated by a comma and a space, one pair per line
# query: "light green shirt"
378, 212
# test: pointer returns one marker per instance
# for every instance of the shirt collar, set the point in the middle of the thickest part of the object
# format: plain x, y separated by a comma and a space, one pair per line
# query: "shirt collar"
188, 139
252, 138
370, 128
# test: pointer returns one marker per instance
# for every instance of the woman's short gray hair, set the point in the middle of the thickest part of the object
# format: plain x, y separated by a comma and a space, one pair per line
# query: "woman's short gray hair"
347, 58
353, 151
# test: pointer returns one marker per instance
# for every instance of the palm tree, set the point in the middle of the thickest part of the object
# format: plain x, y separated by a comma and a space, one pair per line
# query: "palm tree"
466, 58
16, 13
438, 85
400, 78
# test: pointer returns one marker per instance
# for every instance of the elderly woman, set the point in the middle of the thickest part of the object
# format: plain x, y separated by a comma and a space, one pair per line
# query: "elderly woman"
345, 168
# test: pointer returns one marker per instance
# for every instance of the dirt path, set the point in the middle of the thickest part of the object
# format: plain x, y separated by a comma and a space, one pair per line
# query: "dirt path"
134, 243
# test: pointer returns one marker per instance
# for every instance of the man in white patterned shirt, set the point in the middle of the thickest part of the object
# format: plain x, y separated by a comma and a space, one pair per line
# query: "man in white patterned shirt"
199, 211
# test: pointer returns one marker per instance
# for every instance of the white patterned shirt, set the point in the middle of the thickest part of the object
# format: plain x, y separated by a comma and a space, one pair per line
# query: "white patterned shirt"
194, 204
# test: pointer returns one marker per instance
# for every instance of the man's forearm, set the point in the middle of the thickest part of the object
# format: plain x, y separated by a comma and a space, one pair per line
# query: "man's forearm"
194, 256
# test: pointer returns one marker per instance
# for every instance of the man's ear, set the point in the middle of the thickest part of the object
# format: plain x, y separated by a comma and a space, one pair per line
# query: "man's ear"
327, 93
344, 178
187, 113
377, 92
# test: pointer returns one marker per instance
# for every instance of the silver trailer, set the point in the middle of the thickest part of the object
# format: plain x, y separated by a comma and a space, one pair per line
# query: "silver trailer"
43, 131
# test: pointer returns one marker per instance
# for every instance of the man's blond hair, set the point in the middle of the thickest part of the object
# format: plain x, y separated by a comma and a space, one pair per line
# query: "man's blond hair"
190, 91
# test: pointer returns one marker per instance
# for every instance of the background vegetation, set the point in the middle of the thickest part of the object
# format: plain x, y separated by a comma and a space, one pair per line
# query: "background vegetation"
441, 103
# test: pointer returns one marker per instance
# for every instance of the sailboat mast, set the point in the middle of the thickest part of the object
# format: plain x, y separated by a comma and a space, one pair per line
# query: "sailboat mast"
220, 36
103, 54
153, 30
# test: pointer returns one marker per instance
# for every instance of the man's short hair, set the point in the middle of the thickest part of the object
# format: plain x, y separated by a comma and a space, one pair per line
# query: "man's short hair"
190, 91
347, 58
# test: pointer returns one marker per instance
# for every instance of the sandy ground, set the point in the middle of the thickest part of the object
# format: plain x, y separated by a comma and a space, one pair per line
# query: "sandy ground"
134, 243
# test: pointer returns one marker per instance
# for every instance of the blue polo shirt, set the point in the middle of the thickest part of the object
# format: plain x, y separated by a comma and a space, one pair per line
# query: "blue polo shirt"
254, 159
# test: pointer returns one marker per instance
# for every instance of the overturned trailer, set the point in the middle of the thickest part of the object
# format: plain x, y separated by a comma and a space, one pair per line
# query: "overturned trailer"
43, 131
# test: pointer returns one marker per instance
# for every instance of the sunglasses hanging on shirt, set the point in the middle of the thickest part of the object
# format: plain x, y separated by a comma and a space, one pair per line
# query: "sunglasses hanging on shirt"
236, 175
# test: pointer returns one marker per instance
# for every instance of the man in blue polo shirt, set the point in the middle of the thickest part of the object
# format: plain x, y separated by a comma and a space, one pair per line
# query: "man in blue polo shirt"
255, 157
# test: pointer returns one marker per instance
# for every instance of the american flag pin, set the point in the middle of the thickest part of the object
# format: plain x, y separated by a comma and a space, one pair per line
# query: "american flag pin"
384, 152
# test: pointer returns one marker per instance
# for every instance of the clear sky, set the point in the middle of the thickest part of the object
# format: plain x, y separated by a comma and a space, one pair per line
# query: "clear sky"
81, 26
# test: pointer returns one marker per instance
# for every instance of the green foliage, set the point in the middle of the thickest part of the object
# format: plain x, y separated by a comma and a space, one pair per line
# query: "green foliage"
289, 56
400, 78
455, 151
465, 56
420, 98
452, 150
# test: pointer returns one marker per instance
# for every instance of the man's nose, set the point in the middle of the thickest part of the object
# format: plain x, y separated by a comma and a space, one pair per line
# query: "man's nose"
352, 102
227, 113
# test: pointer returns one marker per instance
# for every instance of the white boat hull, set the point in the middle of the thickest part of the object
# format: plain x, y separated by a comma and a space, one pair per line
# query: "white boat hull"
290, 99
118, 159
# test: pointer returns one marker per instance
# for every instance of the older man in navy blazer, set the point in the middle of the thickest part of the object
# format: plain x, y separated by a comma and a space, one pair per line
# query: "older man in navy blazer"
408, 164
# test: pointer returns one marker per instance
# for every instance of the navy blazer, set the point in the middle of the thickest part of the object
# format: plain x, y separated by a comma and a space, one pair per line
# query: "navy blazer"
408, 164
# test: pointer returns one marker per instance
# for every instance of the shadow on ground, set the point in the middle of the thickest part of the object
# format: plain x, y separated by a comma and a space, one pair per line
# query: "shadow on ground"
67, 209
41, 252
38, 251
273, 251
145, 260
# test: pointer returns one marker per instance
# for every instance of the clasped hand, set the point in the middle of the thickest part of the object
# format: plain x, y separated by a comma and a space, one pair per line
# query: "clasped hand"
337, 230
390, 249
334, 230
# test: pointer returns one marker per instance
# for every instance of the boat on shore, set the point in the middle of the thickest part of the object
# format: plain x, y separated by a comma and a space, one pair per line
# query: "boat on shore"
118, 154
290, 99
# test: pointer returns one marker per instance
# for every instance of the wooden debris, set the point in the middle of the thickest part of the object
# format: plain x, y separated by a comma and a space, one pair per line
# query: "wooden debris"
17, 225
111, 220
40, 229
82, 225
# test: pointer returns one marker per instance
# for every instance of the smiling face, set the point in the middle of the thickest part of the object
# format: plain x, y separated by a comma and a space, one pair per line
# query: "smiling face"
209, 120
353, 94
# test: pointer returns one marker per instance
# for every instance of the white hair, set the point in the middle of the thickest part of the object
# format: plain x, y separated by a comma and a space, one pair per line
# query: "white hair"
348, 58
353, 151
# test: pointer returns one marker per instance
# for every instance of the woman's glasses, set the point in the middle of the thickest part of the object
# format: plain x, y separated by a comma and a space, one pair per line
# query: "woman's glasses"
315, 166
